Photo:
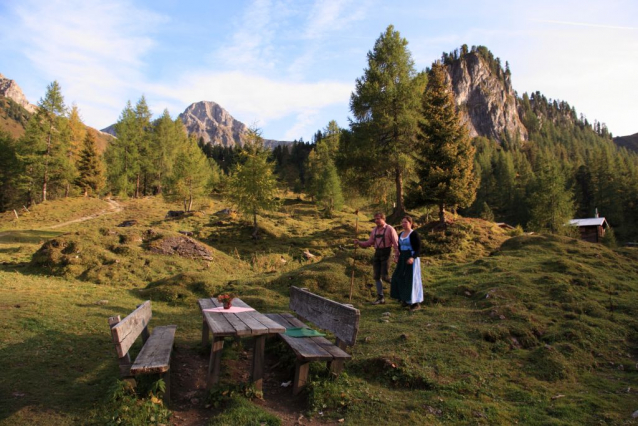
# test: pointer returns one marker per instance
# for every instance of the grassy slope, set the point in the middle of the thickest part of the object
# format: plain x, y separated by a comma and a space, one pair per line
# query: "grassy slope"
532, 329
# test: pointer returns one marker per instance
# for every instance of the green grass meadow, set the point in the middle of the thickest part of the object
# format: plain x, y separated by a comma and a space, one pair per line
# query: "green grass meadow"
527, 329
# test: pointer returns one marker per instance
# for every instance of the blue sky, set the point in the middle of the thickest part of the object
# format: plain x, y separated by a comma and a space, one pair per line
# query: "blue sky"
289, 66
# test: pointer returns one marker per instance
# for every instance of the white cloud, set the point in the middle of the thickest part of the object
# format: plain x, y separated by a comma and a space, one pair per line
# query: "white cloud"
94, 49
252, 97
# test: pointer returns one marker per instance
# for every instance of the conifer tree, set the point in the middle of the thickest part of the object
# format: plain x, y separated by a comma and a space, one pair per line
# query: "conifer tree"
190, 176
123, 156
51, 109
552, 204
445, 155
10, 170
386, 106
89, 165
252, 186
77, 133
168, 136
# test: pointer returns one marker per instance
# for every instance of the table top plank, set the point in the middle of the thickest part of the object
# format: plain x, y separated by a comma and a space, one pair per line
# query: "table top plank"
218, 325
239, 324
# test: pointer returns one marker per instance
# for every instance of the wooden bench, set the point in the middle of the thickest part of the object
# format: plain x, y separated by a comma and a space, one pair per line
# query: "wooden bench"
155, 355
341, 320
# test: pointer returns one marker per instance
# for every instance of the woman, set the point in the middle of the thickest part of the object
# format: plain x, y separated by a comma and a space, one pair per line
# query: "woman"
406, 280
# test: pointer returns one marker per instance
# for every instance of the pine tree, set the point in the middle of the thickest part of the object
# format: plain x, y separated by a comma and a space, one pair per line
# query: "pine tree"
89, 165
77, 132
386, 106
190, 176
252, 186
445, 155
143, 129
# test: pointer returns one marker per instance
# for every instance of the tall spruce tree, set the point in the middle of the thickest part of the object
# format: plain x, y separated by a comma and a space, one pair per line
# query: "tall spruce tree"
252, 186
90, 168
168, 136
386, 107
10, 170
445, 155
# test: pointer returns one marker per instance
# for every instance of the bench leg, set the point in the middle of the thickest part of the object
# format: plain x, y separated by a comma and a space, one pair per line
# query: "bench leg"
301, 376
258, 362
335, 367
167, 393
204, 333
215, 361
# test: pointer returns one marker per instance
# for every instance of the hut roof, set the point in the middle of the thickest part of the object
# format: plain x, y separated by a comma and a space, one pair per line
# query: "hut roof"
592, 221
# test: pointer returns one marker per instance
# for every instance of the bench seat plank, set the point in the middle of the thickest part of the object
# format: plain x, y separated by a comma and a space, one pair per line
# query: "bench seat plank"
155, 356
308, 348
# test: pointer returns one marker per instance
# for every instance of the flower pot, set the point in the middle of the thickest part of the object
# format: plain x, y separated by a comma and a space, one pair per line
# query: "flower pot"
227, 304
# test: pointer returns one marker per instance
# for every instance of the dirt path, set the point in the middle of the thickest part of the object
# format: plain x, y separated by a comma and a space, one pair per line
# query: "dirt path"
114, 207
188, 389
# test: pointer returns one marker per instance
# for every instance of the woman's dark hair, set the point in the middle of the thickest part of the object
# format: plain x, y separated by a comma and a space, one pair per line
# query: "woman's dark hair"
409, 219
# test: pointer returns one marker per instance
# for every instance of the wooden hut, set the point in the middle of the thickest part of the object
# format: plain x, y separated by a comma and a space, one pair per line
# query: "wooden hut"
591, 229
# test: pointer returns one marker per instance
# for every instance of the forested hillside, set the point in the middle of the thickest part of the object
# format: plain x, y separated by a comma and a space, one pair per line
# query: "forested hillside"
535, 161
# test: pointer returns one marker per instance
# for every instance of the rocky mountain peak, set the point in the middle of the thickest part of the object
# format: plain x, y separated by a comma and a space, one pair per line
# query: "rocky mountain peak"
10, 89
483, 93
214, 124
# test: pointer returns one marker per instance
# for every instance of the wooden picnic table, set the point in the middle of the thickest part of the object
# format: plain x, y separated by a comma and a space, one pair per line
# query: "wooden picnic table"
241, 324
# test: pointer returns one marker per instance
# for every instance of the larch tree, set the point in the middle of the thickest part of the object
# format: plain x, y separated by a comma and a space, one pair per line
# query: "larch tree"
168, 136
552, 203
89, 165
445, 155
123, 156
386, 107
252, 186
190, 175
51, 109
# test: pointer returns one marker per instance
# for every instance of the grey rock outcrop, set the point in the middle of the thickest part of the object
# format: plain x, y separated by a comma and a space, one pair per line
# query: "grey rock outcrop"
10, 89
488, 102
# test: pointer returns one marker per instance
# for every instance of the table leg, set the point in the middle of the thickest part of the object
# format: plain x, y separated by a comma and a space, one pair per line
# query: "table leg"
258, 362
215, 361
204, 333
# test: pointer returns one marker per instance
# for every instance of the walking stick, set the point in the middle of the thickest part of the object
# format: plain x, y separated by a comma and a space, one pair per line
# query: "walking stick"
354, 255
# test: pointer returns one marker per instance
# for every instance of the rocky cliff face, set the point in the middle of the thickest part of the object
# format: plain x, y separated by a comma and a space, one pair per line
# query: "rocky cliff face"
10, 89
214, 124
485, 98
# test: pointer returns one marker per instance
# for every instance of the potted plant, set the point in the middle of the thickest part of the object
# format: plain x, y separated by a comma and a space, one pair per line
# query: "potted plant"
226, 299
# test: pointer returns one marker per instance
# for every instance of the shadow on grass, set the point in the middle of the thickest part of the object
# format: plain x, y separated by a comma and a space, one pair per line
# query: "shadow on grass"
27, 236
54, 371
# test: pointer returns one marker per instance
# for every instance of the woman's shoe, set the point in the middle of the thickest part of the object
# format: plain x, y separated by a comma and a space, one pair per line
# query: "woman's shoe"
415, 307
404, 304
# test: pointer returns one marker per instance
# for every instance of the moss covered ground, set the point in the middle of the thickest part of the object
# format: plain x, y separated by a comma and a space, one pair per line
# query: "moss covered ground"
530, 329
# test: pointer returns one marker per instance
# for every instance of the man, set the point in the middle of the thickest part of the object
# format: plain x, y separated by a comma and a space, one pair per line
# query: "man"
384, 238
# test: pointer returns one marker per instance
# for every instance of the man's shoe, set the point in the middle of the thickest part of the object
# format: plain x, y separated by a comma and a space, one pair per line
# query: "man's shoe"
415, 307
380, 301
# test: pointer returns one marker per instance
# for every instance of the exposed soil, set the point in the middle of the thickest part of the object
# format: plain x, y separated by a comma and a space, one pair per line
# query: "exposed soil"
188, 389
180, 245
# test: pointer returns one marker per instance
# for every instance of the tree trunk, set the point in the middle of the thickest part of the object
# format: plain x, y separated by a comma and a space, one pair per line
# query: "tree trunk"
442, 213
399, 209
255, 234
137, 187
190, 203
45, 180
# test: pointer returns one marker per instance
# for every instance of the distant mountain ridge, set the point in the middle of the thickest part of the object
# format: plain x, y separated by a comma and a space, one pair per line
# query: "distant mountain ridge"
214, 125
630, 142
